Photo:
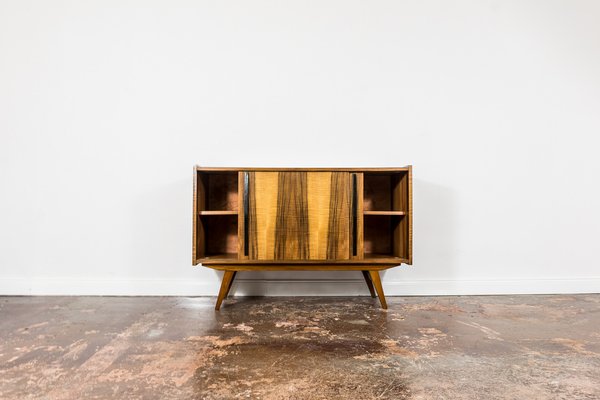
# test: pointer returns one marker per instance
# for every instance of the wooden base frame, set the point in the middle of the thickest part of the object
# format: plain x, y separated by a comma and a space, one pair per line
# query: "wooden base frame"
371, 276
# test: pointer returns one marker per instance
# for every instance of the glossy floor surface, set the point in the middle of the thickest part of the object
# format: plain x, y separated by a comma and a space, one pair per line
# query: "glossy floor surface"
492, 347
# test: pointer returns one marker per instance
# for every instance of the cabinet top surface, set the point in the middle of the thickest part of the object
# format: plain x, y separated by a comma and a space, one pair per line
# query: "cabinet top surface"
372, 169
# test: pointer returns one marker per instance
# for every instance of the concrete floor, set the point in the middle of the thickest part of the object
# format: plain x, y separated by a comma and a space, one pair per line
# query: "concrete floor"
492, 347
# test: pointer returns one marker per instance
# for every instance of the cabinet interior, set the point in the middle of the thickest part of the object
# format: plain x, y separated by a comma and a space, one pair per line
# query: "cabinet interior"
221, 235
218, 191
386, 213
217, 219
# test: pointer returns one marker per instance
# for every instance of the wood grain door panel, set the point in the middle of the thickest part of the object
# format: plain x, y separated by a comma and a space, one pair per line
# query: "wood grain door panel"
299, 215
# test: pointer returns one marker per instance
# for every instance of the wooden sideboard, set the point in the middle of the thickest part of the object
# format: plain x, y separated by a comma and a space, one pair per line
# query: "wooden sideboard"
267, 219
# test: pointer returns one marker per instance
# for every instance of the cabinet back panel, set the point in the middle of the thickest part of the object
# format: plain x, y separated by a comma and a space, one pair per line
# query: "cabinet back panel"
222, 191
378, 235
377, 192
222, 235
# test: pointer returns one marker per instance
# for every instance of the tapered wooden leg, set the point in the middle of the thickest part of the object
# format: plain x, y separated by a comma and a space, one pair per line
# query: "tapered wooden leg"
369, 283
225, 285
230, 284
377, 283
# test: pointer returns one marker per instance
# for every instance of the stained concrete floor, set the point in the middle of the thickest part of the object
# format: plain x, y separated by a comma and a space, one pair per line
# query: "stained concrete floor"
492, 347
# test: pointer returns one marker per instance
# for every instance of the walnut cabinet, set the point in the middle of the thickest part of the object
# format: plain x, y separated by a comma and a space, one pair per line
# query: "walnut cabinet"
253, 219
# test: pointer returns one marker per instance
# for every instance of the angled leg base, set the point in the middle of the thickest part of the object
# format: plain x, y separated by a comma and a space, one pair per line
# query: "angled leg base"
369, 283
377, 283
370, 274
230, 284
225, 286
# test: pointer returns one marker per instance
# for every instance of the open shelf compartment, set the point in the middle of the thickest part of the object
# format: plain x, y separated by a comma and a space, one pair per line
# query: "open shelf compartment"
385, 236
386, 215
221, 237
217, 207
385, 191
217, 191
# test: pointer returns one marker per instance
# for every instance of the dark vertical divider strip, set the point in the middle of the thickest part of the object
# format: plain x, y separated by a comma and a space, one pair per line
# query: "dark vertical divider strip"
246, 212
354, 214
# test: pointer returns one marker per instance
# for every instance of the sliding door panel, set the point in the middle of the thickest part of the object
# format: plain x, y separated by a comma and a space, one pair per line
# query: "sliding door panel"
299, 216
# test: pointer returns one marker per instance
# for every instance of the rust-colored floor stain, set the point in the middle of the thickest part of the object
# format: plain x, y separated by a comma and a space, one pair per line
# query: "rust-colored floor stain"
488, 347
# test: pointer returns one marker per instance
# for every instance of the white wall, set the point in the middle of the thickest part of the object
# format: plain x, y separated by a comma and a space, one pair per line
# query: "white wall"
105, 106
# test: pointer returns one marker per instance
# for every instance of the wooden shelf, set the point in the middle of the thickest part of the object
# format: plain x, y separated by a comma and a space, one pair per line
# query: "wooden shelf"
220, 257
380, 256
225, 212
385, 213
386, 260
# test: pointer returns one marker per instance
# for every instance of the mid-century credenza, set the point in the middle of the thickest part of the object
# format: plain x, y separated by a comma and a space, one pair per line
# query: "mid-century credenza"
266, 219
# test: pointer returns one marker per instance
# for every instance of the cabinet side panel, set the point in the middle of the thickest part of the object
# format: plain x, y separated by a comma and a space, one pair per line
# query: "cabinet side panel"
198, 201
401, 202
194, 215
410, 216
399, 185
